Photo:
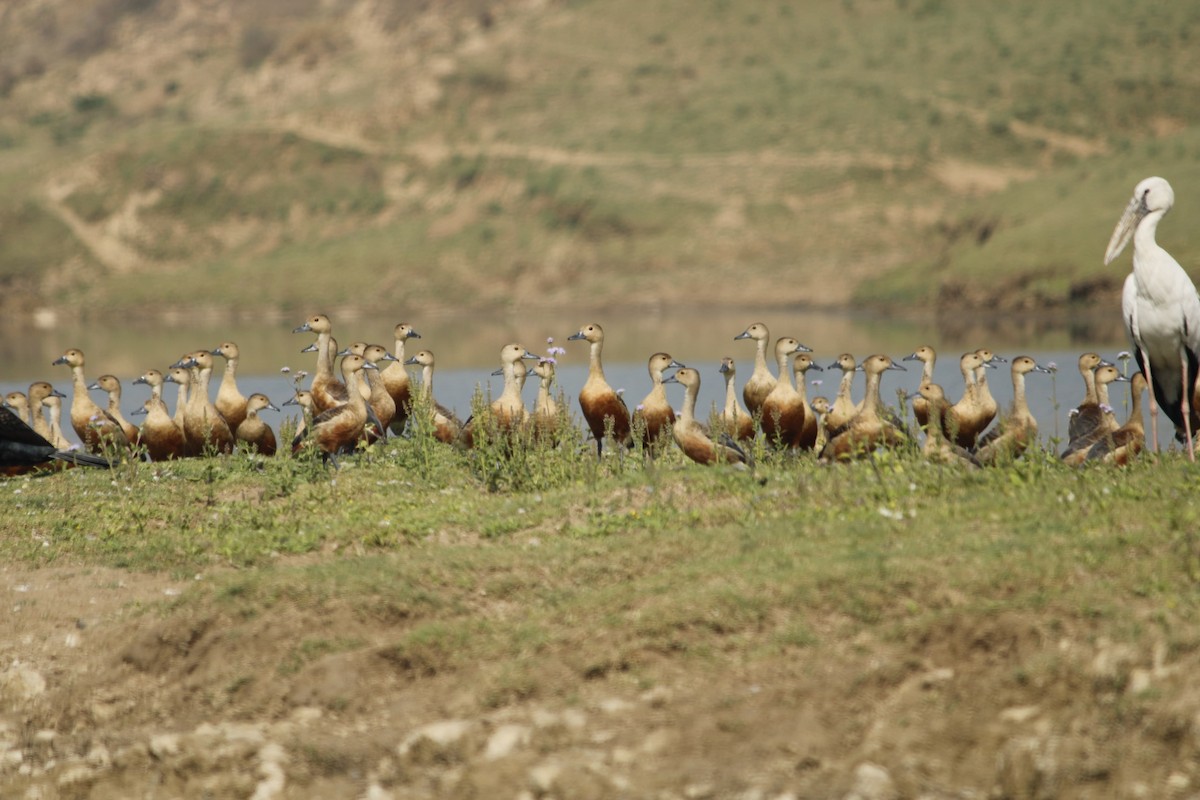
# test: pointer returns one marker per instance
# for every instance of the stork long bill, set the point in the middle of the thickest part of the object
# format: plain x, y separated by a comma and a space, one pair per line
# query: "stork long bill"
1124, 230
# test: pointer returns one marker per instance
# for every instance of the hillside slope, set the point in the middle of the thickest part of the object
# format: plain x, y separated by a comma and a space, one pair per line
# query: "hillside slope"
247, 157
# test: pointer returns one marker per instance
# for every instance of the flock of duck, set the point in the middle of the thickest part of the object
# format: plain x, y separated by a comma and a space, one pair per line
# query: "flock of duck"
370, 394
374, 395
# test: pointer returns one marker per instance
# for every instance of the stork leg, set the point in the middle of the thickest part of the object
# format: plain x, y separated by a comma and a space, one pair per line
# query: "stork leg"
1153, 404
1185, 405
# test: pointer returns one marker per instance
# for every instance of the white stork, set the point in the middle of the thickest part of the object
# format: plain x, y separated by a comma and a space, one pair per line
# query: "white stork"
1161, 310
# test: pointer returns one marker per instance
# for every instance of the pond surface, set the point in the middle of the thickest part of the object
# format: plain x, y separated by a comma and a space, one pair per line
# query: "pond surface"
467, 350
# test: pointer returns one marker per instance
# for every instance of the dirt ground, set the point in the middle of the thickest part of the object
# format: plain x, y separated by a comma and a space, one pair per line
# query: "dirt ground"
104, 694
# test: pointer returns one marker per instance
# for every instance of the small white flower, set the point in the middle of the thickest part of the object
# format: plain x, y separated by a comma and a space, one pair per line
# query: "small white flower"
1052, 367
620, 391
285, 370
1123, 355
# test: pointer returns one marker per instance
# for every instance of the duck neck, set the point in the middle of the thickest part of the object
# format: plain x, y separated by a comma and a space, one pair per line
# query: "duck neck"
595, 369
785, 374
688, 414
760, 356
731, 407
230, 377
78, 381
846, 386
1019, 405
1089, 386
801, 389
324, 357
927, 371
871, 401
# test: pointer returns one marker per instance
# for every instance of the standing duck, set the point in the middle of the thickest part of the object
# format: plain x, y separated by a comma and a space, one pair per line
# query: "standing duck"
936, 448
928, 358
446, 426
736, 422
1091, 420
602, 407
338, 430
782, 409
690, 434
203, 424
395, 377
38, 392
801, 364
844, 407
761, 380
327, 391
112, 386
91, 423
545, 408
1122, 445
1018, 429
868, 429
230, 401
654, 412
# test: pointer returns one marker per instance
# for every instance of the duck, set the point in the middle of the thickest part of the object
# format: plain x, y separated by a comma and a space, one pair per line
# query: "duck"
446, 426
546, 419
782, 411
820, 406
507, 412
303, 399
162, 438
801, 364
844, 408
967, 418
936, 447
691, 436
1088, 364
230, 401
94, 426
112, 386
1011, 437
183, 379
603, 408
38, 392
53, 405
735, 420
203, 424
327, 391
868, 429
988, 407
1091, 419
21, 448
1122, 446
654, 415
154, 379
395, 377
256, 433
18, 403
761, 380
339, 429
381, 408
928, 358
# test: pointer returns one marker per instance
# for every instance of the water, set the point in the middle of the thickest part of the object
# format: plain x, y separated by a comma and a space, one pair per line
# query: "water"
467, 350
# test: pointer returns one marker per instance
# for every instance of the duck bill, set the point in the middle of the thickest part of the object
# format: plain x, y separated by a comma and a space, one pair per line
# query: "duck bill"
1124, 230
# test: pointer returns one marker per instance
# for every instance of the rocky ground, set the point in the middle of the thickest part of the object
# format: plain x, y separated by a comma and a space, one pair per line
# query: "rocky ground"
111, 689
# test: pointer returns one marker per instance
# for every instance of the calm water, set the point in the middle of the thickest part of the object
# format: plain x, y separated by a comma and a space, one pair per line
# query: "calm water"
467, 350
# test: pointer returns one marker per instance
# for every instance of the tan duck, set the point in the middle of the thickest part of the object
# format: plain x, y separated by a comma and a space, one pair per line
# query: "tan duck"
734, 419
1018, 429
154, 379
691, 436
446, 426
928, 358
256, 433
159, 435
507, 412
602, 407
1123, 445
338, 430
92, 424
868, 429
654, 414
38, 392
303, 399
936, 447
230, 401
546, 419
1088, 364
801, 365
203, 425
1090, 420
782, 411
844, 407
395, 377
967, 418
18, 403
183, 379
112, 386
761, 380
820, 406
327, 391
987, 403
53, 405
381, 408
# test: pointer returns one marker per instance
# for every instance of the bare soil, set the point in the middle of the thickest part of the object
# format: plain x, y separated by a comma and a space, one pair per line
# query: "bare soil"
110, 688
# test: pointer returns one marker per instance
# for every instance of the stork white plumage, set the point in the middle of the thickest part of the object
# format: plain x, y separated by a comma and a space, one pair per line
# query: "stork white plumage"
1161, 310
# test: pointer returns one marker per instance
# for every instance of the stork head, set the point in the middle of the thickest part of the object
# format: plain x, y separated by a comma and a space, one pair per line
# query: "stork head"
1150, 196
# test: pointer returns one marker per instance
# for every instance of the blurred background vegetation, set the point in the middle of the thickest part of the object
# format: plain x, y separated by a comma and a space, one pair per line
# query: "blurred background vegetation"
249, 158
